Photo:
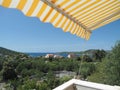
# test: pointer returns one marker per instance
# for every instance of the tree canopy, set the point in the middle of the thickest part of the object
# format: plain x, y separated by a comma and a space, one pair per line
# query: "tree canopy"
108, 71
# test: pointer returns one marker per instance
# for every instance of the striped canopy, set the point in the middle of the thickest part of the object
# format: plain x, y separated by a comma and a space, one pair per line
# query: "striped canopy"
78, 17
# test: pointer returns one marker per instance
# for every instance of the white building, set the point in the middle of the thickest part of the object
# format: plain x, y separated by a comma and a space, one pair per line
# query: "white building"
58, 56
71, 55
49, 56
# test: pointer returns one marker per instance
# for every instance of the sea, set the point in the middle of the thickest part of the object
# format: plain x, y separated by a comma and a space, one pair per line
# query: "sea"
43, 54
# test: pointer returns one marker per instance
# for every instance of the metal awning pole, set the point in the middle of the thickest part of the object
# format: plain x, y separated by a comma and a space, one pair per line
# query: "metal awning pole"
48, 2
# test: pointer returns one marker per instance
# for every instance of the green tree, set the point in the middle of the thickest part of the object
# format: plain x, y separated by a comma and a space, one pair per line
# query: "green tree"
86, 58
64, 79
14, 84
8, 71
98, 55
87, 69
112, 69
109, 69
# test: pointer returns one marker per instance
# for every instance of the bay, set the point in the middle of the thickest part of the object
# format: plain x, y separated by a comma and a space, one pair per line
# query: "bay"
43, 54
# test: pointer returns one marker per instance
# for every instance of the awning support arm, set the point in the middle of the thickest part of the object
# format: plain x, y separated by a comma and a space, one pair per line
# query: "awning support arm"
48, 2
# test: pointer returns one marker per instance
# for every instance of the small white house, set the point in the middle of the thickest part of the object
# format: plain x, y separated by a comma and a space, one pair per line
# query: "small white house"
49, 56
71, 55
58, 56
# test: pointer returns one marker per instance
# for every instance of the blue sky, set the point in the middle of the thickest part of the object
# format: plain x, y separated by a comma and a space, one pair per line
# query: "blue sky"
26, 34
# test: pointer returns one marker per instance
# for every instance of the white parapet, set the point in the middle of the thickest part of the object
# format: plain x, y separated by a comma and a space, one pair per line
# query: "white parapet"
75, 84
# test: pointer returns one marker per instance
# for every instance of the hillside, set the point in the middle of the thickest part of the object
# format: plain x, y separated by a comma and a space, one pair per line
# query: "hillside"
4, 51
90, 51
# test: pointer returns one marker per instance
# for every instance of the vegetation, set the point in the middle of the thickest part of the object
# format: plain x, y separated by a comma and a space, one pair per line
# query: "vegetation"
4, 51
108, 71
21, 72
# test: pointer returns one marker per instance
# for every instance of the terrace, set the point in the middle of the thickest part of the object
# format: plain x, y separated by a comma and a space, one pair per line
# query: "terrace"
75, 84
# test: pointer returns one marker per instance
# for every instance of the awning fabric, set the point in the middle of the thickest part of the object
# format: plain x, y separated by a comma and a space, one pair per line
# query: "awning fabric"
78, 17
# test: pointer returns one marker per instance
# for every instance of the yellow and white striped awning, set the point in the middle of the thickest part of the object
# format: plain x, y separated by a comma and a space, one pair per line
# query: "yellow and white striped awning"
78, 17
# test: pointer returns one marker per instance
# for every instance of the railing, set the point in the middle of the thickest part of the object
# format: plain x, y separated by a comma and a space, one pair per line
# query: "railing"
75, 84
